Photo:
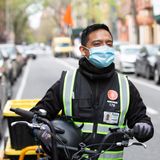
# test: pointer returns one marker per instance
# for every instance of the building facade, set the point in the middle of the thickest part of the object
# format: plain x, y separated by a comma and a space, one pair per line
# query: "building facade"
2, 22
156, 25
141, 18
145, 21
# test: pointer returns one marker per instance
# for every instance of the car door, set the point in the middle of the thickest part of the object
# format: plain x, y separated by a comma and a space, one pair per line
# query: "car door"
158, 62
143, 60
157, 69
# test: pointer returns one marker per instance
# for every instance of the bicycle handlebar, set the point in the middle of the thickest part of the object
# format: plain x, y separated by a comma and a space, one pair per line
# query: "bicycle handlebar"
25, 114
128, 133
34, 117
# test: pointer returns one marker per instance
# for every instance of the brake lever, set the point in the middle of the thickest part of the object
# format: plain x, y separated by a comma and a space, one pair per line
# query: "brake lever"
30, 125
137, 144
128, 144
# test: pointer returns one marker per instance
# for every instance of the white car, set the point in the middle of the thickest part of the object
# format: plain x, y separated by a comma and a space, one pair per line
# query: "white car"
125, 57
76, 51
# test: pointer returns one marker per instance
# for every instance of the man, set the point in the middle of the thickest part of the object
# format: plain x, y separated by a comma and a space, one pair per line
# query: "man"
96, 96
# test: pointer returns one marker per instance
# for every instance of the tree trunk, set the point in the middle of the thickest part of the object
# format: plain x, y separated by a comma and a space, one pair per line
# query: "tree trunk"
136, 27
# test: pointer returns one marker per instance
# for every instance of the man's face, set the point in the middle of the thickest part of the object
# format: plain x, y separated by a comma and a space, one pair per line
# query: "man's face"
97, 38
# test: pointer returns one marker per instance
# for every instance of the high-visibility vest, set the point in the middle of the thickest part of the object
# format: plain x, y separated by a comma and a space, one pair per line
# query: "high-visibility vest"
102, 129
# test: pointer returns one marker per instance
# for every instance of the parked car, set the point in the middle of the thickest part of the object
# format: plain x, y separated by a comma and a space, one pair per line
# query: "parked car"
1, 128
5, 83
30, 51
76, 52
62, 46
21, 50
15, 57
125, 57
145, 62
117, 44
157, 68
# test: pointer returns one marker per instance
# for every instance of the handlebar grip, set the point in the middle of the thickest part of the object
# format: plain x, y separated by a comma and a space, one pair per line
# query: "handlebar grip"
26, 114
130, 132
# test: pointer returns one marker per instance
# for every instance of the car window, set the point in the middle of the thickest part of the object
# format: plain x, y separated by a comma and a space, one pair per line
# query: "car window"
152, 50
131, 50
1, 57
10, 50
63, 44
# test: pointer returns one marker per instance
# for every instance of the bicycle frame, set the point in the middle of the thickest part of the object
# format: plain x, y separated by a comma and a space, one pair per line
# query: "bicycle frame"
35, 148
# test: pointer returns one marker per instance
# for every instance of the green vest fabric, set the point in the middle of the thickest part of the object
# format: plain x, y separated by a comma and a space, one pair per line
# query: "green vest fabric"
102, 129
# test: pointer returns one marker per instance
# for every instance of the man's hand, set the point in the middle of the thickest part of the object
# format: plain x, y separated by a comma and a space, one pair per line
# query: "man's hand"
141, 130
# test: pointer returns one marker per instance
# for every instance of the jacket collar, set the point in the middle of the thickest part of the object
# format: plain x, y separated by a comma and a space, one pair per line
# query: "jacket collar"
92, 72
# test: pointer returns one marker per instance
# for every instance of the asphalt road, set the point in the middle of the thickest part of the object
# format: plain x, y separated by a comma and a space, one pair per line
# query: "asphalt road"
42, 73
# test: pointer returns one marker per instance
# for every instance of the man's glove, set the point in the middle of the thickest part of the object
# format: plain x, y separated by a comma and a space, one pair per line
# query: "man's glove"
141, 130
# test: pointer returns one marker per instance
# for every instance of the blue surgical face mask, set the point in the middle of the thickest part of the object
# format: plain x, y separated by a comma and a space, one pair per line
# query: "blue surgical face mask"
102, 56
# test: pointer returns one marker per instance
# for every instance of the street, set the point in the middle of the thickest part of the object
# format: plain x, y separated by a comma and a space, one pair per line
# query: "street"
41, 73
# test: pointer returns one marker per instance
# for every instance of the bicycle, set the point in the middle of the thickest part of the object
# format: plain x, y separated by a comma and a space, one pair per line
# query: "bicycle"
39, 125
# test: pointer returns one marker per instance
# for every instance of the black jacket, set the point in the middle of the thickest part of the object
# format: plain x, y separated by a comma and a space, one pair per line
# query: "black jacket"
52, 101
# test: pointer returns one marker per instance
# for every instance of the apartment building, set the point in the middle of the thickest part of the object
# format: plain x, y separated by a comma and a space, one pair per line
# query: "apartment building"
139, 20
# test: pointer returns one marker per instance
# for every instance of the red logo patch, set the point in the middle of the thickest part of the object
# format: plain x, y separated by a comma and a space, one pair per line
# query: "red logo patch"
112, 95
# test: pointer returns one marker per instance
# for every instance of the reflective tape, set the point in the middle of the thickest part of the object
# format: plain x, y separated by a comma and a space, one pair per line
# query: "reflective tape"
87, 127
101, 128
124, 97
68, 92
111, 155
104, 128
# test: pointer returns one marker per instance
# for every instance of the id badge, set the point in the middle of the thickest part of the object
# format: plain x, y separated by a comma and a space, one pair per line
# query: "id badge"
110, 117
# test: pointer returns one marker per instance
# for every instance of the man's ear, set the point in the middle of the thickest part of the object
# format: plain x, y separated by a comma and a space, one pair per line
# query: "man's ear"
84, 51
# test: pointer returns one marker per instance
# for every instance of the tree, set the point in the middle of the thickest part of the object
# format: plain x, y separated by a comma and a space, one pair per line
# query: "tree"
95, 11
99, 11
19, 16
2, 21
47, 24
133, 12
58, 8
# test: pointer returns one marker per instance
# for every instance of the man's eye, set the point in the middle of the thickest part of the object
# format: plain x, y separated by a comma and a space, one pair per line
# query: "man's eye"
109, 44
96, 44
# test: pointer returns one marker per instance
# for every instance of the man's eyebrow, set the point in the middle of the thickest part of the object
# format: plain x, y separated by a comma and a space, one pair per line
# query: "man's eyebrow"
99, 40
109, 40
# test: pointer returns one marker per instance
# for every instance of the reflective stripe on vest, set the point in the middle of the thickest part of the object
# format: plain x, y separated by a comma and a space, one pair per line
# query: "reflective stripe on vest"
110, 155
67, 92
101, 128
124, 102
124, 97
